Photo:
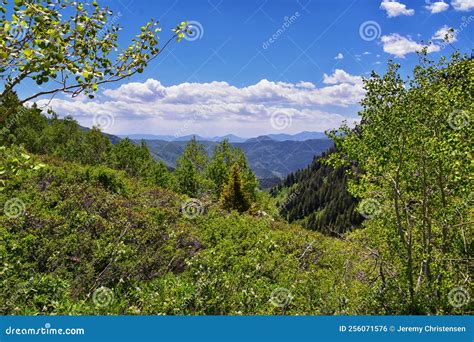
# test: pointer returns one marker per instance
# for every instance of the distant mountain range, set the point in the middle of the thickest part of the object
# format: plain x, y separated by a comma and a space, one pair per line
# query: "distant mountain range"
271, 160
272, 157
231, 137
114, 139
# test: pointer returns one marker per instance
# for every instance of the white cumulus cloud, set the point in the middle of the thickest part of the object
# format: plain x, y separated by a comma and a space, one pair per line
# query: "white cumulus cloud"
340, 76
395, 8
339, 56
462, 5
150, 106
437, 7
443, 32
400, 46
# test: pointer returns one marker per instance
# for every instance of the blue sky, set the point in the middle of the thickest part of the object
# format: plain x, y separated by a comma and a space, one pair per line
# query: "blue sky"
258, 66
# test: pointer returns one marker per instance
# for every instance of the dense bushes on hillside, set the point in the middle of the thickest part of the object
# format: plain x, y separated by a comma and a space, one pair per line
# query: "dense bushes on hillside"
91, 227
80, 230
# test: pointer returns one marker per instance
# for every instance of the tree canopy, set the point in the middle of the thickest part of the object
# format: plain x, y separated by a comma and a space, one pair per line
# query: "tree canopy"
412, 153
70, 45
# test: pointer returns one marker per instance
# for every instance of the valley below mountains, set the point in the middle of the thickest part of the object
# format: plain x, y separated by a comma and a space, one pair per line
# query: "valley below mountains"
271, 160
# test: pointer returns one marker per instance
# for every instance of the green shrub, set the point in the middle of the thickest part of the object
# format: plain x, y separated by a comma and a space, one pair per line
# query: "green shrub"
112, 180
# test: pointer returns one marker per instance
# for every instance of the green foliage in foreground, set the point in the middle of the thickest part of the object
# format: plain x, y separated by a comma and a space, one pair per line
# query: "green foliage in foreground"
71, 44
196, 174
90, 240
87, 227
234, 196
415, 178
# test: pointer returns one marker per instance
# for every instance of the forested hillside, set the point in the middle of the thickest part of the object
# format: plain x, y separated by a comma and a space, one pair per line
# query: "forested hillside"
271, 160
318, 199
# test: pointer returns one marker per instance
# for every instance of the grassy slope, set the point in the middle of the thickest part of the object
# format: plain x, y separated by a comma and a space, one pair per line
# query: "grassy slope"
86, 227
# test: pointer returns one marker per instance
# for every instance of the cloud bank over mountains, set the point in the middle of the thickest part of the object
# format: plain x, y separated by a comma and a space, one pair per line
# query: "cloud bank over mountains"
305, 104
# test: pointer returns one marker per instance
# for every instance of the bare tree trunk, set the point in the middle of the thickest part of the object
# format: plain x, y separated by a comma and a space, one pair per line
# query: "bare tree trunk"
444, 228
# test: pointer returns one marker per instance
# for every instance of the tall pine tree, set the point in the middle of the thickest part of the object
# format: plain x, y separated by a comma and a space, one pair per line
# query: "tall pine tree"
234, 195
